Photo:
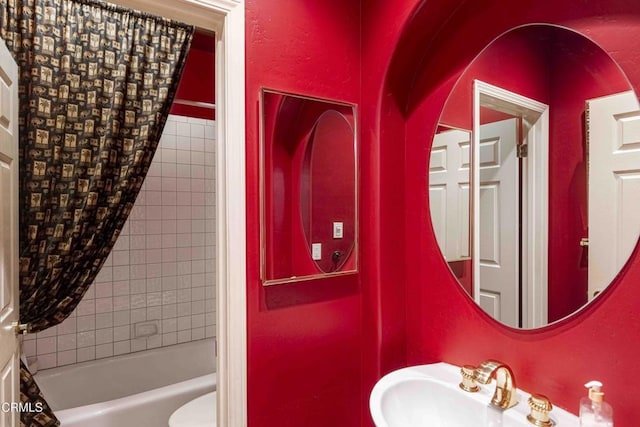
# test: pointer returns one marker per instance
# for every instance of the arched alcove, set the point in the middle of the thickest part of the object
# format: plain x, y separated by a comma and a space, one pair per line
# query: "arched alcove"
428, 317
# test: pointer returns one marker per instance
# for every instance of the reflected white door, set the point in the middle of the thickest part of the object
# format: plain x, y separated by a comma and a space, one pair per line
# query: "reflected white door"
449, 192
9, 348
499, 221
613, 124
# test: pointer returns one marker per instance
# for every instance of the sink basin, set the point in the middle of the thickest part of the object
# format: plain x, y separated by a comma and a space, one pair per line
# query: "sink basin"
428, 395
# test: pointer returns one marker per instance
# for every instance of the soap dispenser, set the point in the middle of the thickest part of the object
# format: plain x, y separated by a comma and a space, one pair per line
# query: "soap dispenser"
594, 411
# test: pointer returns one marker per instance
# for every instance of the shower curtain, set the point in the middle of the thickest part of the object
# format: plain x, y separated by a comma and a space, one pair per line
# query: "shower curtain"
96, 84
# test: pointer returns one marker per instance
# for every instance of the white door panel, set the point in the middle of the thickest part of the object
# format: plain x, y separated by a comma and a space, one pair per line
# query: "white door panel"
438, 207
490, 303
498, 225
490, 228
449, 192
464, 220
9, 348
613, 124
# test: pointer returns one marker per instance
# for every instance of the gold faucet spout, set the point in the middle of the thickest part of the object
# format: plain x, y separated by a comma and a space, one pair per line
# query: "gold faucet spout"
505, 395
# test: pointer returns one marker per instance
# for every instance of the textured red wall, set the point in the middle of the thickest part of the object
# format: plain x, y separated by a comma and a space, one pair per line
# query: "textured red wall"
198, 82
277, 159
463, 271
403, 93
516, 62
311, 343
331, 163
304, 339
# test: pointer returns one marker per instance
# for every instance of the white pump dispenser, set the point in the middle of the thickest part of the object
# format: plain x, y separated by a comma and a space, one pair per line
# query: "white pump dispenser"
594, 411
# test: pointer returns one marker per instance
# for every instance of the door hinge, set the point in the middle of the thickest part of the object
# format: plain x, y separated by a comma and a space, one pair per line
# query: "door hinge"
21, 328
523, 150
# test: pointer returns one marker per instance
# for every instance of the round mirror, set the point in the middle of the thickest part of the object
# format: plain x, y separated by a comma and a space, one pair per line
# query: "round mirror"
533, 182
327, 191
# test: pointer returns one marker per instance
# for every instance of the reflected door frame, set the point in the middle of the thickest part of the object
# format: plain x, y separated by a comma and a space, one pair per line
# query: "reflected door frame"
535, 195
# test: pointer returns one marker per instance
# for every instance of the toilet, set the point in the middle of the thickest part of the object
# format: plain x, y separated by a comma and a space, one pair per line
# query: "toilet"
200, 412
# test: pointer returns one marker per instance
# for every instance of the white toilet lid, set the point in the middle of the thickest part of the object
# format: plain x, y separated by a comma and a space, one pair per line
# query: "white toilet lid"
200, 412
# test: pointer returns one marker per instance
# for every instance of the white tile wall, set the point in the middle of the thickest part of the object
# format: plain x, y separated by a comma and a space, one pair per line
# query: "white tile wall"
162, 267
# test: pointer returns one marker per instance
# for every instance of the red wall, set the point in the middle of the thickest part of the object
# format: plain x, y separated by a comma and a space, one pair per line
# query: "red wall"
198, 82
517, 62
331, 165
304, 339
463, 271
402, 96
315, 349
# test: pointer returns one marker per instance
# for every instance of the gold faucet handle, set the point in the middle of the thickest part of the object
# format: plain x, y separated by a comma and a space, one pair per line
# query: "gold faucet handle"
540, 407
468, 383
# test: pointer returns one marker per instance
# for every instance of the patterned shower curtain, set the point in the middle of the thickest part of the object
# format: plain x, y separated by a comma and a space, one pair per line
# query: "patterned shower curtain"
96, 85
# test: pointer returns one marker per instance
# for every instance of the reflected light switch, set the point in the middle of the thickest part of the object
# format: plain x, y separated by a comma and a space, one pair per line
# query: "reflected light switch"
338, 230
316, 251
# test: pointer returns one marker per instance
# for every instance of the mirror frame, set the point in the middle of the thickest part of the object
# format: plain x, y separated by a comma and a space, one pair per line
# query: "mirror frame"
264, 192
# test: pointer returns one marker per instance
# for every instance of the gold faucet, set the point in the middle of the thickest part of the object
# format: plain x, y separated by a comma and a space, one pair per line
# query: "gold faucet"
505, 395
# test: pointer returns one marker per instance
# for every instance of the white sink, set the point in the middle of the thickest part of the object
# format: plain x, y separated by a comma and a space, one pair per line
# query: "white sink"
428, 395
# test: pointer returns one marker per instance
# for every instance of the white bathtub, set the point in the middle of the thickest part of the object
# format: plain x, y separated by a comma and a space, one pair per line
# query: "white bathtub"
134, 390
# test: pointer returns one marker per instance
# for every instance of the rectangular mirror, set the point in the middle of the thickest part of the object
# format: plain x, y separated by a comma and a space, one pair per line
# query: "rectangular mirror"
309, 218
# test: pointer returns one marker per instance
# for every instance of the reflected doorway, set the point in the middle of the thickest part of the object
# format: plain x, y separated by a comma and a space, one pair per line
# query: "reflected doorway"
510, 165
